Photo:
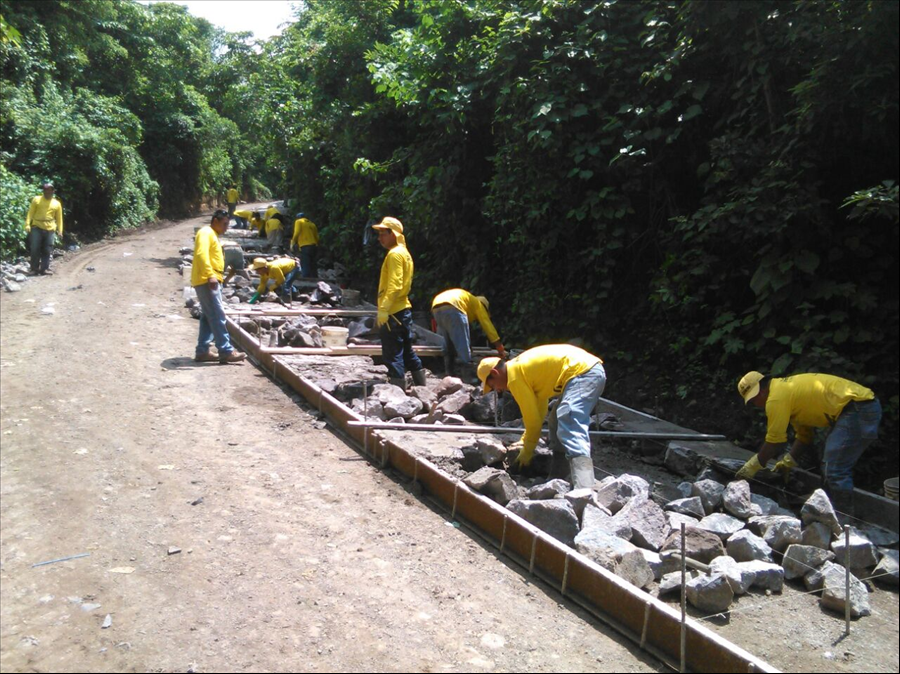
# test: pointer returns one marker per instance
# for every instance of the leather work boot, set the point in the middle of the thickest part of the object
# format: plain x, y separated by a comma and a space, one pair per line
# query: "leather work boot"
582, 472
398, 381
206, 357
418, 378
233, 357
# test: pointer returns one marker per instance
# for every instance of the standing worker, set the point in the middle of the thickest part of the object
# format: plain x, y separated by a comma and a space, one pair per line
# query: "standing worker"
541, 373
807, 401
43, 224
453, 311
281, 272
306, 241
394, 308
207, 272
232, 198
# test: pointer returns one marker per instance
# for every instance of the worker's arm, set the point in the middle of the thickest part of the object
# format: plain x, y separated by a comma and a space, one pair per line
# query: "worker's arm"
278, 276
203, 259
530, 407
315, 232
59, 220
393, 286
758, 461
263, 280
28, 218
296, 237
483, 318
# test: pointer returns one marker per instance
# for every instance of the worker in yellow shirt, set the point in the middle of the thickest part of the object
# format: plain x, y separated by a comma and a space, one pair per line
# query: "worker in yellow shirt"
281, 273
275, 232
453, 311
43, 224
232, 198
242, 218
394, 308
207, 270
808, 401
258, 223
539, 374
306, 243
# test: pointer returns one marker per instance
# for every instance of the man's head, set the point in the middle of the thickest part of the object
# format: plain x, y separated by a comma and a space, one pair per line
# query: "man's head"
219, 222
390, 232
299, 216
493, 375
48, 189
259, 263
754, 388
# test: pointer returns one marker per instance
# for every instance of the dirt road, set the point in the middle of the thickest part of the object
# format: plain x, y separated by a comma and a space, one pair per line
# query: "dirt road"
225, 529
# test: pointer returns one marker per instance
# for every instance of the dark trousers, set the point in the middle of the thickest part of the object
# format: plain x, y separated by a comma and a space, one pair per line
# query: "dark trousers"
396, 345
308, 261
231, 208
41, 241
287, 288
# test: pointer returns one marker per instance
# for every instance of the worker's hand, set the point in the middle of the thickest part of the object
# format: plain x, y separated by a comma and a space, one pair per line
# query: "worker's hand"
28, 229
254, 299
382, 318
785, 465
751, 468
525, 455
213, 283
502, 351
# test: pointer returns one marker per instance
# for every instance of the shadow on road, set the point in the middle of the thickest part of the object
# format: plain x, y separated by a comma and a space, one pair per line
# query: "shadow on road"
185, 363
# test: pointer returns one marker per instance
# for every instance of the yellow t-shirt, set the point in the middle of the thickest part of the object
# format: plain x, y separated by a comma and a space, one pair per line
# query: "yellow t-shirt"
209, 260
244, 214
305, 233
232, 196
396, 280
272, 224
539, 374
807, 401
45, 214
474, 310
278, 269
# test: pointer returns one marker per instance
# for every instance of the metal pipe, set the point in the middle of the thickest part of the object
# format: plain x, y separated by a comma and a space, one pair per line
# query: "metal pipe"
846, 580
683, 642
463, 428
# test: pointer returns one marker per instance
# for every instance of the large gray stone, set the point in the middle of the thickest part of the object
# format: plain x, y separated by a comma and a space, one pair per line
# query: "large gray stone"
818, 508
371, 409
710, 492
834, 590
555, 516
493, 483
647, 521
453, 403
481, 409
658, 564
446, 386
778, 531
550, 489
672, 581
490, 450
634, 568
768, 506
425, 394
682, 460
602, 547
674, 520
880, 537
386, 393
799, 560
406, 408
745, 546
721, 525
711, 594
887, 569
815, 580
614, 494
739, 579
736, 499
692, 506
598, 517
581, 499
861, 553
684, 489
481, 477
699, 544
766, 576
816, 534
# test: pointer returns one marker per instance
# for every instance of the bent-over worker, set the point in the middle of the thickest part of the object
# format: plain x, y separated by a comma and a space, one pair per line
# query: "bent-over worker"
539, 374
453, 311
808, 401
281, 272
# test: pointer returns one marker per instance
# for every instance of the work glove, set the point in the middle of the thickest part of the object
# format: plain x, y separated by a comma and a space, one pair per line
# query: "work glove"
525, 455
382, 318
785, 465
750, 469
254, 299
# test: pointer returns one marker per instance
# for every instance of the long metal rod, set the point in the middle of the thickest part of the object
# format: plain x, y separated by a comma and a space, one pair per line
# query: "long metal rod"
683, 635
451, 428
846, 580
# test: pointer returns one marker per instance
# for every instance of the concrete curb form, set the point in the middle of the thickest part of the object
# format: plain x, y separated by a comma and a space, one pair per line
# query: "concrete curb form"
646, 621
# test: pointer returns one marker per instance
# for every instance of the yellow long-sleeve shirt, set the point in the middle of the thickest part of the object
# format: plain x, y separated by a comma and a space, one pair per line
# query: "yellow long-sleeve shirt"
474, 310
272, 224
277, 270
232, 196
244, 214
539, 374
807, 401
270, 211
45, 214
305, 233
209, 259
258, 224
395, 281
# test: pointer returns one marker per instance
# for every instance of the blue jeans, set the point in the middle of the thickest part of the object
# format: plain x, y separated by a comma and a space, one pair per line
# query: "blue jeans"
212, 321
287, 290
396, 345
41, 241
453, 327
570, 419
308, 260
855, 429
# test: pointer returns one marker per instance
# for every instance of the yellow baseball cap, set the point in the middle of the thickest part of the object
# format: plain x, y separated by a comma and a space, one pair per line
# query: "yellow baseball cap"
258, 263
484, 371
748, 386
392, 224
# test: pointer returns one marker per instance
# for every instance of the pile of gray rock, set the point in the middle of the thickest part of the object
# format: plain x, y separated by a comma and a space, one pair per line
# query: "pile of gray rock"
14, 275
